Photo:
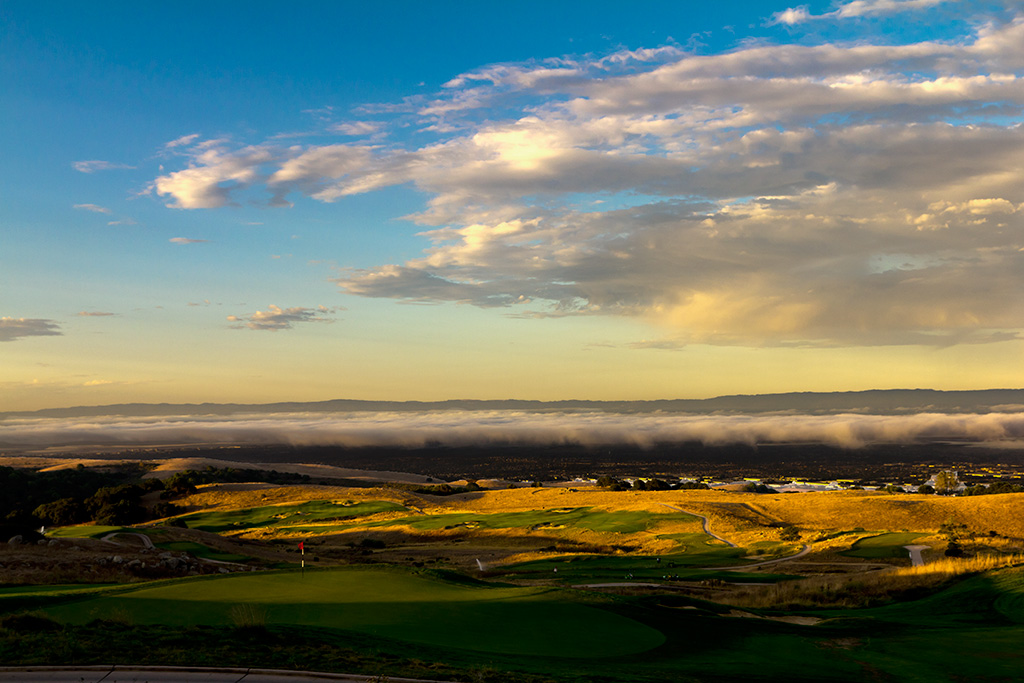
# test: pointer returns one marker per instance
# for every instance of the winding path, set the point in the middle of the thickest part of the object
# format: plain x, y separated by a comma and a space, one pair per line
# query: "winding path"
147, 542
707, 525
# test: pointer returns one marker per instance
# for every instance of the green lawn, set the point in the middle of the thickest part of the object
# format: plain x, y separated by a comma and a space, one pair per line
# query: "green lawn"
884, 545
971, 630
388, 603
626, 522
86, 531
200, 550
285, 515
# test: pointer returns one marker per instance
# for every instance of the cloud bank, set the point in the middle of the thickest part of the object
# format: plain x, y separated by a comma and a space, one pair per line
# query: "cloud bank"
479, 428
805, 194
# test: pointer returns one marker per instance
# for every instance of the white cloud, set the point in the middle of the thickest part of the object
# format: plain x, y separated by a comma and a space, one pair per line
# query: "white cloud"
277, 318
857, 193
853, 9
16, 328
213, 175
356, 127
97, 165
186, 240
183, 141
95, 208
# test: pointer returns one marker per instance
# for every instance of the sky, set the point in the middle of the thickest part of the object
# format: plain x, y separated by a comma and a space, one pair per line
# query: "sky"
227, 202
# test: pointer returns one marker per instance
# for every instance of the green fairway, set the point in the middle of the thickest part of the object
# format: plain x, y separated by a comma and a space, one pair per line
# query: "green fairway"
285, 515
883, 545
389, 603
625, 522
56, 589
695, 558
86, 531
582, 569
200, 550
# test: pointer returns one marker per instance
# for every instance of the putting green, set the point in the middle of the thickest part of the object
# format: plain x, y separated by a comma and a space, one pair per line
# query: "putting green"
389, 603
883, 545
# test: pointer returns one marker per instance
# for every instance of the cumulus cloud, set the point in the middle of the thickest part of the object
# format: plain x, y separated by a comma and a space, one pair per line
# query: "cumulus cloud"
16, 328
186, 240
477, 428
796, 194
97, 165
95, 208
277, 318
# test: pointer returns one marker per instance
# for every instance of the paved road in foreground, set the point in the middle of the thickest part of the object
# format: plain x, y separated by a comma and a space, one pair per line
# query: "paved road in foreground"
164, 674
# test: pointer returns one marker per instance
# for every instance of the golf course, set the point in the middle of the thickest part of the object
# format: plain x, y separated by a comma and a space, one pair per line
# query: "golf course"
533, 584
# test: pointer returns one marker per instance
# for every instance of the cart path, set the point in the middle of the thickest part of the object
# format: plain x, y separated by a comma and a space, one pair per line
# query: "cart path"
915, 554
707, 525
147, 542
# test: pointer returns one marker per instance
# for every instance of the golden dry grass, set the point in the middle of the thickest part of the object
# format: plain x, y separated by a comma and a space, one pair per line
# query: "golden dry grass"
230, 497
864, 589
740, 517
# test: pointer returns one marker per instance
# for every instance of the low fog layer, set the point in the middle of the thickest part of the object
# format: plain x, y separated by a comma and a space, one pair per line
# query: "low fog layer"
482, 427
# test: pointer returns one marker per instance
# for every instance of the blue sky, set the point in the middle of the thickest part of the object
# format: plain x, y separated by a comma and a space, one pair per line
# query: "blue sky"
252, 202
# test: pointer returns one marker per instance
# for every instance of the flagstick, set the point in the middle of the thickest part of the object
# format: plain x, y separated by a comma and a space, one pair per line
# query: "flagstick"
302, 548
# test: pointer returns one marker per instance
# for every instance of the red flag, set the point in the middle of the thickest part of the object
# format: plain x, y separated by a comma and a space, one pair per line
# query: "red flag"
301, 547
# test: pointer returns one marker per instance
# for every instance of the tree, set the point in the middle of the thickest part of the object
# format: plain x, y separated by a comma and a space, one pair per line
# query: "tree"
954, 531
789, 533
946, 482
926, 489
62, 512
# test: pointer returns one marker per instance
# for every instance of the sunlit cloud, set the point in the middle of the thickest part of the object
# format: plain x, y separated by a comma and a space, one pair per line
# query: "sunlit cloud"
186, 240
277, 318
94, 314
824, 194
16, 328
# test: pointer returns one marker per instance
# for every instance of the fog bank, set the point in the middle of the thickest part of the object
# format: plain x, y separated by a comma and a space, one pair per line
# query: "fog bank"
461, 428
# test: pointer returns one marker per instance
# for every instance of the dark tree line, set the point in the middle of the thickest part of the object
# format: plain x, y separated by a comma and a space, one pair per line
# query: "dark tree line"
109, 495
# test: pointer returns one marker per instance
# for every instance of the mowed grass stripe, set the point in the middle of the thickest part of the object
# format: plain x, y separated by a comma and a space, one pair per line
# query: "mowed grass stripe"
622, 522
883, 545
285, 515
389, 603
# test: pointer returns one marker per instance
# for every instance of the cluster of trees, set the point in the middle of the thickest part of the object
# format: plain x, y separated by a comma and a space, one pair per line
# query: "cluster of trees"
998, 487
109, 495
22, 491
614, 484
112, 505
445, 489
754, 487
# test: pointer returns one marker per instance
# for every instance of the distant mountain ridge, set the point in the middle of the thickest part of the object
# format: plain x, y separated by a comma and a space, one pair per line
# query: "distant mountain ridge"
875, 401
